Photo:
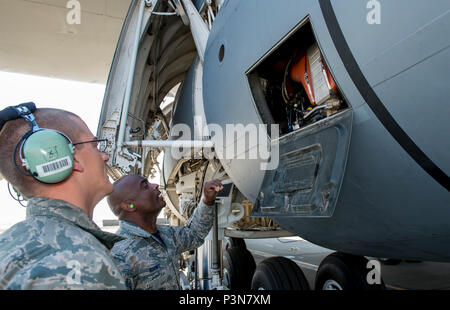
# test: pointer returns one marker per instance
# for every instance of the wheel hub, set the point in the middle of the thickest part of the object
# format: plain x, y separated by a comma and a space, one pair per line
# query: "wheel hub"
332, 285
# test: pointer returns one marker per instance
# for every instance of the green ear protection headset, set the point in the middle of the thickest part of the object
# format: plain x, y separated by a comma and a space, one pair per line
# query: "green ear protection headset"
46, 153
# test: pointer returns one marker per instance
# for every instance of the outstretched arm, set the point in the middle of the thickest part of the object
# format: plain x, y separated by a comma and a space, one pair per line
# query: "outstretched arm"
193, 234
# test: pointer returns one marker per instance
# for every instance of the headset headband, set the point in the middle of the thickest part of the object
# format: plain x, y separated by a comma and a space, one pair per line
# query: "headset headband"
23, 110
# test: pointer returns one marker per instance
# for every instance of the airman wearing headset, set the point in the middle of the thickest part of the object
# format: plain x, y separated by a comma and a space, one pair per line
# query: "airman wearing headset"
51, 157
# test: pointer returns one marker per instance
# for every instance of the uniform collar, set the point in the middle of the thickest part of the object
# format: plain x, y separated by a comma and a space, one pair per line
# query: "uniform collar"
40, 206
133, 229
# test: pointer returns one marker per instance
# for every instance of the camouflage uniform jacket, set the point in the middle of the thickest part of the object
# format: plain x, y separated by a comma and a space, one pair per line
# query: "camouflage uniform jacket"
146, 263
57, 247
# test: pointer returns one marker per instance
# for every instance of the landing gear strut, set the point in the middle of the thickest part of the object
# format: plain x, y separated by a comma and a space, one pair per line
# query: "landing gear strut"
209, 257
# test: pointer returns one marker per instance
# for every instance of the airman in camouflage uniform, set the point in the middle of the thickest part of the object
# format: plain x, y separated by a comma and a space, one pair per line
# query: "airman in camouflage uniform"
148, 258
58, 246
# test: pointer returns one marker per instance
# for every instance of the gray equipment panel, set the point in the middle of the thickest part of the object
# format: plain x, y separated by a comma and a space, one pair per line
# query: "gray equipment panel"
312, 164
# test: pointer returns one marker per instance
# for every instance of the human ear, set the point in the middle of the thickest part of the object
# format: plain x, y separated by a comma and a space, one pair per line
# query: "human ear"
128, 206
77, 166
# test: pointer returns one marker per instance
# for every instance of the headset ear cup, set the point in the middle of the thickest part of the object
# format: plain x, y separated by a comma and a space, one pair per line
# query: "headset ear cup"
49, 156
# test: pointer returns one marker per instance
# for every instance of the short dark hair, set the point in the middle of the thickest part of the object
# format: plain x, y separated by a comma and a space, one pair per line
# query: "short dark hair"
12, 132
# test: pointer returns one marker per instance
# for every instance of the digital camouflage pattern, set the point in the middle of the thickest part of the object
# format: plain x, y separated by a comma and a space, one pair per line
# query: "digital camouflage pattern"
57, 247
146, 263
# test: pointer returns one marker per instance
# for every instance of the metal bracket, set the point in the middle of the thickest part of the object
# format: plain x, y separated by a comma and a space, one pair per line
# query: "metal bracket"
180, 10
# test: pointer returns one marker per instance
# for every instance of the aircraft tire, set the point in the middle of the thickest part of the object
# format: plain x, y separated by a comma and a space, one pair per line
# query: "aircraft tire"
339, 271
230, 242
279, 273
238, 268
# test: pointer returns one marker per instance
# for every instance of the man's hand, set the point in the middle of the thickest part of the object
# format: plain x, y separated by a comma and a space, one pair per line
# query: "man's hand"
210, 190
